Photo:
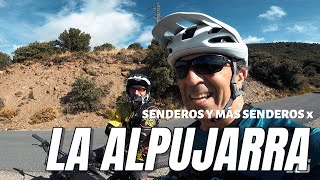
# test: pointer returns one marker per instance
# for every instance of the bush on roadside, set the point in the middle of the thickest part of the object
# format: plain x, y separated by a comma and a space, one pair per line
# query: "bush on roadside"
84, 96
5, 60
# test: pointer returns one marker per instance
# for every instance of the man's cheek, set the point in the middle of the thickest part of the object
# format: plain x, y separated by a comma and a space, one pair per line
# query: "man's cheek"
183, 91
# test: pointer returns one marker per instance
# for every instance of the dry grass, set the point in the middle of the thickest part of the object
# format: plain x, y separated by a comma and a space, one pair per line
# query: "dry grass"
7, 114
66, 54
121, 54
44, 115
304, 90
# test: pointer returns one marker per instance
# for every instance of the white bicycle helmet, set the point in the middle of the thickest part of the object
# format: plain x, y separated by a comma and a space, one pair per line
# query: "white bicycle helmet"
208, 35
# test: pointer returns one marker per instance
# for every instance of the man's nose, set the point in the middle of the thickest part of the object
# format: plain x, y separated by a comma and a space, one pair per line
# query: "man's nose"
136, 92
193, 78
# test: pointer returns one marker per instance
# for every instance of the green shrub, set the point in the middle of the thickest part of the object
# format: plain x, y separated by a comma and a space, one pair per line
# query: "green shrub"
279, 73
310, 70
106, 113
161, 80
84, 96
135, 46
315, 81
301, 59
122, 99
5, 60
164, 87
104, 47
156, 56
35, 50
74, 40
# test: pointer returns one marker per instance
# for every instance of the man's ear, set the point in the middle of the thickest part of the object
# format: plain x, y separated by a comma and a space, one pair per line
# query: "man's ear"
241, 75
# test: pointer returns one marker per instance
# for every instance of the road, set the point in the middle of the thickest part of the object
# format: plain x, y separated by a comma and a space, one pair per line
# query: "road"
17, 151
307, 102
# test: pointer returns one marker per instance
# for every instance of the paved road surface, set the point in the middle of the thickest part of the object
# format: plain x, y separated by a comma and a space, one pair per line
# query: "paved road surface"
307, 102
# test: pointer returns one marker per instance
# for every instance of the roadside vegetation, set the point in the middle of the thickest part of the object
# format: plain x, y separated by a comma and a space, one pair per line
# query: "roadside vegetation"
288, 66
84, 96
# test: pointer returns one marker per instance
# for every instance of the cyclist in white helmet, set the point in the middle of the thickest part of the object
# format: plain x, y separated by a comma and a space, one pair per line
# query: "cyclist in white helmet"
210, 62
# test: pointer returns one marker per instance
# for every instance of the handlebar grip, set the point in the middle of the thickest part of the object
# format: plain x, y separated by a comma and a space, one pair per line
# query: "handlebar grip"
38, 138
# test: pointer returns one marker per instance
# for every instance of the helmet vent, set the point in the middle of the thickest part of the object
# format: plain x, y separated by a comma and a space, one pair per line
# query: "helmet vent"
221, 39
168, 34
189, 33
214, 30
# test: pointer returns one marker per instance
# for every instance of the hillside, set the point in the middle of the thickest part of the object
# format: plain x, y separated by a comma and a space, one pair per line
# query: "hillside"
286, 65
28, 88
33, 86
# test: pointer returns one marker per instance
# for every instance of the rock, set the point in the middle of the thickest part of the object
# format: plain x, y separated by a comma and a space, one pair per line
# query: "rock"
18, 93
31, 95
49, 64
68, 119
9, 71
125, 73
22, 66
85, 69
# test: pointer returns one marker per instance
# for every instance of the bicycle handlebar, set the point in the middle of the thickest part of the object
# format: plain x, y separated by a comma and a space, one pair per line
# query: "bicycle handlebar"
39, 138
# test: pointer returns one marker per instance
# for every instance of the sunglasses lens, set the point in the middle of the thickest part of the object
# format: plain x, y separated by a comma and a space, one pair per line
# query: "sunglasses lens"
181, 69
141, 90
131, 89
209, 64
206, 64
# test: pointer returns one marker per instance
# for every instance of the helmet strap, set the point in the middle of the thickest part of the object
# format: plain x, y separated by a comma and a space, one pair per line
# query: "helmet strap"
235, 92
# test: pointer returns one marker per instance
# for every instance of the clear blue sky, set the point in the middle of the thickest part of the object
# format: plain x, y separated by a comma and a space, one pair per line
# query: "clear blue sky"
122, 22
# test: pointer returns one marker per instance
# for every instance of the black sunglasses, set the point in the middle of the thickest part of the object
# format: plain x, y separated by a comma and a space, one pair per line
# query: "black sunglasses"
206, 64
